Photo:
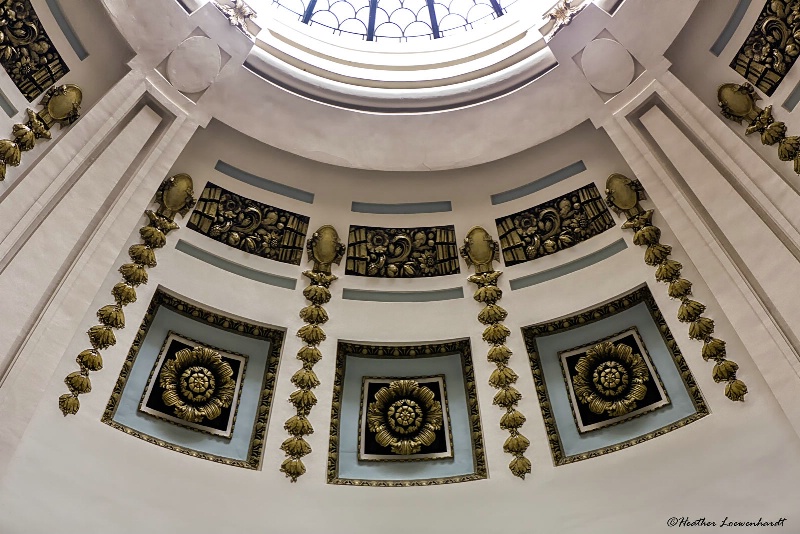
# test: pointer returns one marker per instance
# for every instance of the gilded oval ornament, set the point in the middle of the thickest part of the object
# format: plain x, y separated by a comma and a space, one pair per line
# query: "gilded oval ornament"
197, 383
177, 195
738, 102
65, 102
405, 417
623, 194
611, 379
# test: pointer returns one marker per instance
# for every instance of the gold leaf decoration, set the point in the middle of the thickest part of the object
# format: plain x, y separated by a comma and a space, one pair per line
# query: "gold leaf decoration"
112, 316
174, 196
738, 103
324, 249
479, 251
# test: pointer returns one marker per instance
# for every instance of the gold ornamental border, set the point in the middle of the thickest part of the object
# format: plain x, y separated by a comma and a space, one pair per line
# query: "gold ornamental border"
216, 320
613, 307
462, 347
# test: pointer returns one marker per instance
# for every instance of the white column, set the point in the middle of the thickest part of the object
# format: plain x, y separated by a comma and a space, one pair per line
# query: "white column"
713, 255
68, 274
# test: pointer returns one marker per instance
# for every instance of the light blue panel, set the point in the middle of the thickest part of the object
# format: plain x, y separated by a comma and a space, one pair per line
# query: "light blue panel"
730, 28
263, 183
128, 413
539, 184
66, 29
575, 443
791, 101
356, 368
402, 209
403, 296
6, 105
235, 268
571, 267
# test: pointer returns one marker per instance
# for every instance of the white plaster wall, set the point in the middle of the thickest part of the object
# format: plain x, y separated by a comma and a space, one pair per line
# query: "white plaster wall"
76, 474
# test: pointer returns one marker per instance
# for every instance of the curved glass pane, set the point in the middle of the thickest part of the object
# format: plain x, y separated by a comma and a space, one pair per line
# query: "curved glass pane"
394, 20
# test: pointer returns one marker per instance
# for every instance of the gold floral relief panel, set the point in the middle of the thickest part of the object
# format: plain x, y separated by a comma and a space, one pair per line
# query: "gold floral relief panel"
553, 225
26, 52
771, 48
402, 252
248, 225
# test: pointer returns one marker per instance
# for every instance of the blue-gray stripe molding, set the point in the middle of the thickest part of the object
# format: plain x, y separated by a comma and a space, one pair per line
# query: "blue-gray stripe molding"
263, 183
66, 29
235, 268
538, 185
407, 208
730, 28
7, 106
403, 296
571, 267
793, 98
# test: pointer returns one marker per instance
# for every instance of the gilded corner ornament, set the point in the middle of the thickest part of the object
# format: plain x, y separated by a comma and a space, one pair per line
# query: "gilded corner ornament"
481, 250
324, 248
738, 103
623, 195
562, 14
174, 196
238, 14
61, 105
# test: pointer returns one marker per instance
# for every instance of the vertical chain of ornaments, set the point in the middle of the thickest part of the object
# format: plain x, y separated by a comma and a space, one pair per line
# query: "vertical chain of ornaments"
623, 196
480, 251
324, 248
174, 196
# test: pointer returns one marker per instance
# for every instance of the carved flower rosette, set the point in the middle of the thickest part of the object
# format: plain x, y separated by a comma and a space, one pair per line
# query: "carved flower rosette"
405, 417
198, 384
611, 379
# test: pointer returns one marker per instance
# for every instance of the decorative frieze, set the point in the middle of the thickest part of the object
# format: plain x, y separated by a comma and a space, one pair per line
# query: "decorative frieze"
771, 48
324, 249
738, 103
26, 52
61, 105
624, 194
175, 196
481, 251
554, 225
249, 225
402, 252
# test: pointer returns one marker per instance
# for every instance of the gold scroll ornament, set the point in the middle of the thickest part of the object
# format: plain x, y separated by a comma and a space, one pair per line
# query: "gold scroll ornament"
481, 251
623, 196
174, 196
324, 248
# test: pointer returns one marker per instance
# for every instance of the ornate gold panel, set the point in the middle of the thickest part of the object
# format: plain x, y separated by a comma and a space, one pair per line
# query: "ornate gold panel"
553, 225
26, 52
249, 225
771, 49
402, 252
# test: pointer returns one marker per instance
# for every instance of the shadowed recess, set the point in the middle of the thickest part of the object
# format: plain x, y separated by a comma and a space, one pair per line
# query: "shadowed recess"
6, 105
66, 28
263, 183
403, 296
539, 184
730, 28
793, 98
235, 268
571, 267
402, 209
